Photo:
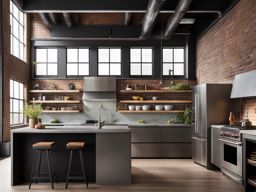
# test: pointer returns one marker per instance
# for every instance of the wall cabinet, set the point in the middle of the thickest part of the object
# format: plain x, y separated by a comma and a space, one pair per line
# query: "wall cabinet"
161, 142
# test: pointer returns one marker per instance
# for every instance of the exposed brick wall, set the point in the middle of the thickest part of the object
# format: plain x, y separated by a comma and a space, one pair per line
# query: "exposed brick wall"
13, 68
38, 29
229, 48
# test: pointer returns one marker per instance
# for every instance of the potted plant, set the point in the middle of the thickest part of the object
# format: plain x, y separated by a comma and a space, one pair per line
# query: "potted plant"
33, 112
184, 117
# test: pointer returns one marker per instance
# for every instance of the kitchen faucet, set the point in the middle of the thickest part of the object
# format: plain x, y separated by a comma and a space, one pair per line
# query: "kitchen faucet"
100, 124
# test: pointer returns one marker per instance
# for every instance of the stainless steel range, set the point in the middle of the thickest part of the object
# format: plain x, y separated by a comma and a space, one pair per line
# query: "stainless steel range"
231, 151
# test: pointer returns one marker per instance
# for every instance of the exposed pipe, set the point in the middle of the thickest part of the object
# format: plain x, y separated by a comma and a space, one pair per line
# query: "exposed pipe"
45, 19
53, 18
67, 19
154, 7
127, 18
175, 19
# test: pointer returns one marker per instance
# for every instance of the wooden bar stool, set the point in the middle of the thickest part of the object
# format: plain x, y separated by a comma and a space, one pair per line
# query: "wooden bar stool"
41, 147
76, 146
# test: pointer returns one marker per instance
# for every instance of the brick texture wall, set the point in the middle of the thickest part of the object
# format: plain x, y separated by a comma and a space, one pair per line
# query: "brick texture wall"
229, 48
13, 68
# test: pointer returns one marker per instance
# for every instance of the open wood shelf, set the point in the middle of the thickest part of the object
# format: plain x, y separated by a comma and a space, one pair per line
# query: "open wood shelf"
154, 101
55, 101
61, 111
150, 111
156, 91
55, 91
252, 181
251, 162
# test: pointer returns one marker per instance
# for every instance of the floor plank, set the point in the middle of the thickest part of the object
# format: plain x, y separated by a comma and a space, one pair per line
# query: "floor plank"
172, 175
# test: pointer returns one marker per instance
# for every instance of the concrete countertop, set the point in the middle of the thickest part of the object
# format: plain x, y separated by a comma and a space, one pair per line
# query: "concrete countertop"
75, 129
217, 126
249, 132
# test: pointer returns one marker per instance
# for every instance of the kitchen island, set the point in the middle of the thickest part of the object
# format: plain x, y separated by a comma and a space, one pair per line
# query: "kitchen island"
107, 151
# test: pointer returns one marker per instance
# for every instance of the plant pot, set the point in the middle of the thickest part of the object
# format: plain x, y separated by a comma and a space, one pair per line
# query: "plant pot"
32, 123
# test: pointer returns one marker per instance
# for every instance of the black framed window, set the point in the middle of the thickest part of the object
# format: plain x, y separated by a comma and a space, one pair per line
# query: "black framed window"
173, 61
46, 62
17, 43
109, 61
16, 103
141, 61
77, 61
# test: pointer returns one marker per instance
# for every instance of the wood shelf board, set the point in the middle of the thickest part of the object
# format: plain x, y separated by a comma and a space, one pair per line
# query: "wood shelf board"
55, 91
252, 181
155, 91
56, 101
155, 101
251, 162
60, 111
150, 111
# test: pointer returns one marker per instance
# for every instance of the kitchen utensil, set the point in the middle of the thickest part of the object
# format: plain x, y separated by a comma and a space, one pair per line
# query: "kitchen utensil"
138, 108
146, 107
141, 98
71, 86
168, 107
131, 107
159, 107
66, 98
128, 89
246, 123
154, 98
135, 97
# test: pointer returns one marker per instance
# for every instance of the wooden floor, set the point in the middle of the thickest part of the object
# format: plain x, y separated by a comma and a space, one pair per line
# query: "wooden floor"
148, 176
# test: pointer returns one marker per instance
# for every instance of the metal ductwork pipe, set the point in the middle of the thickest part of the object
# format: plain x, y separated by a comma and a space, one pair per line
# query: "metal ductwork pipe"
127, 18
68, 19
53, 18
45, 19
175, 19
154, 7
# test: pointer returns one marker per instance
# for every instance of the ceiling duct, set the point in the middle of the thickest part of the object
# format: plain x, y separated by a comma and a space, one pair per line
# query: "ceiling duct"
45, 19
176, 18
154, 7
68, 19
53, 18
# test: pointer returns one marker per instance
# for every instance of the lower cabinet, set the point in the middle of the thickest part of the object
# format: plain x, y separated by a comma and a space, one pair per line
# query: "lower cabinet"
161, 142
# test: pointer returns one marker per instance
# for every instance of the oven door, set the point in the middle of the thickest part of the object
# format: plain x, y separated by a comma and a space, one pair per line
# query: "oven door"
231, 156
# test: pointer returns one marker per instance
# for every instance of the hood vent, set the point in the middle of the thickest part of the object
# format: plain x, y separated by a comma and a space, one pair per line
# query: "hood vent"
244, 85
99, 84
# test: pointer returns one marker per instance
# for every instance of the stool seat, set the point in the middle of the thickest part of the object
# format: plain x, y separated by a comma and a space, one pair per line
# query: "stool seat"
43, 145
75, 145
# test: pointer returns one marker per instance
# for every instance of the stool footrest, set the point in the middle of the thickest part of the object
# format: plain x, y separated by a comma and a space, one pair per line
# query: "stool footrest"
76, 177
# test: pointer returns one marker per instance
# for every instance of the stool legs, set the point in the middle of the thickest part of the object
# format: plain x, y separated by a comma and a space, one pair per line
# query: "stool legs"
39, 165
49, 168
32, 171
69, 166
82, 159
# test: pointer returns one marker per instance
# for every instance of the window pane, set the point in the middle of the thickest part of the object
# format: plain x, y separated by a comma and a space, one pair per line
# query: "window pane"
16, 89
16, 118
103, 69
146, 55
178, 69
135, 69
11, 88
135, 55
15, 29
52, 69
83, 55
15, 11
41, 55
167, 55
15, 47
11, 109
71, 69
41, 69
11, 6
11, 118
21, 51
146, 69
83, 69
21, 91
21, 106
115, 69
103, 55
21, 35
72, 55
21, 118
52, 55
15, 105
115, 55
178, 55
21, 18
166, 68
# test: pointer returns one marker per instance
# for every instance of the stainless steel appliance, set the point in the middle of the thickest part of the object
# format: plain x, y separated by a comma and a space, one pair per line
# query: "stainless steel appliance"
211, 105
231, 151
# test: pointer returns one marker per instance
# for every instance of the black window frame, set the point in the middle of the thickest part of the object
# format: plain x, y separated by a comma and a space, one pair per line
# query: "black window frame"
109, 63
141, 63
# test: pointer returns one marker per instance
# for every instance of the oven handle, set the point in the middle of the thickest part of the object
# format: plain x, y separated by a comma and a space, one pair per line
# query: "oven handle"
203, 140
230, 142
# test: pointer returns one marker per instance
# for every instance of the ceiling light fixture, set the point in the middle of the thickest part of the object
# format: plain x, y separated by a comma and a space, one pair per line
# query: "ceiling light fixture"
187, 21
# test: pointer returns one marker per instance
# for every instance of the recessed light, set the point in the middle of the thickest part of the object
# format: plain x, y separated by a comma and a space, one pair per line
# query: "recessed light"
187, 21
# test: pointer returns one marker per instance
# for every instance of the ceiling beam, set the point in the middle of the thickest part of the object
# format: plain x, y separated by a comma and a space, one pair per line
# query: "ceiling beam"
53, 18
127, 18
45, 19
68, 19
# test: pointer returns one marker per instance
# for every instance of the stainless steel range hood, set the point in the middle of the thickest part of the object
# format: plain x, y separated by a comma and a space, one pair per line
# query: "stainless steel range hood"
244, 85
99, 84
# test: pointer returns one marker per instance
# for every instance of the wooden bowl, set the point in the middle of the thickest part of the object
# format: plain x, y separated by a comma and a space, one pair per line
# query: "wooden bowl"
136, 97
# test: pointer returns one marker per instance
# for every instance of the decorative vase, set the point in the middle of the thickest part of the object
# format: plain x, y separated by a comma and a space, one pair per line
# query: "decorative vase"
32, 123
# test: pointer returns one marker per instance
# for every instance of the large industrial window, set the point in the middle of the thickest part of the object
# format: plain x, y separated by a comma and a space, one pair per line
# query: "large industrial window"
173, 61
77, 61
109, 61
141, 61
46, 62
16, 102
17, 31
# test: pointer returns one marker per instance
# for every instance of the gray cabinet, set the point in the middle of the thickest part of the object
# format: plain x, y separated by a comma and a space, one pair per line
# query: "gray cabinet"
161, 142
215, 146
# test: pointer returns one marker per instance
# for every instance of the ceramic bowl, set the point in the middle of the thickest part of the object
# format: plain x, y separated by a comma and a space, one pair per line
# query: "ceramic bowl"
154, 98
138, 107
131, 107
159, 107
136, 97
146, 107
168, 107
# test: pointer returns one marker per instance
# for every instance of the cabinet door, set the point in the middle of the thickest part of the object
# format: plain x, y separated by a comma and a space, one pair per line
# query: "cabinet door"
148, 135
146, 150
177, 134
176, 150
216, 147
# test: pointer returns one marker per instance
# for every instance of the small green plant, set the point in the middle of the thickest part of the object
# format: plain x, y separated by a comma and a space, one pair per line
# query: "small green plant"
33, 111
185, 117
179, 86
